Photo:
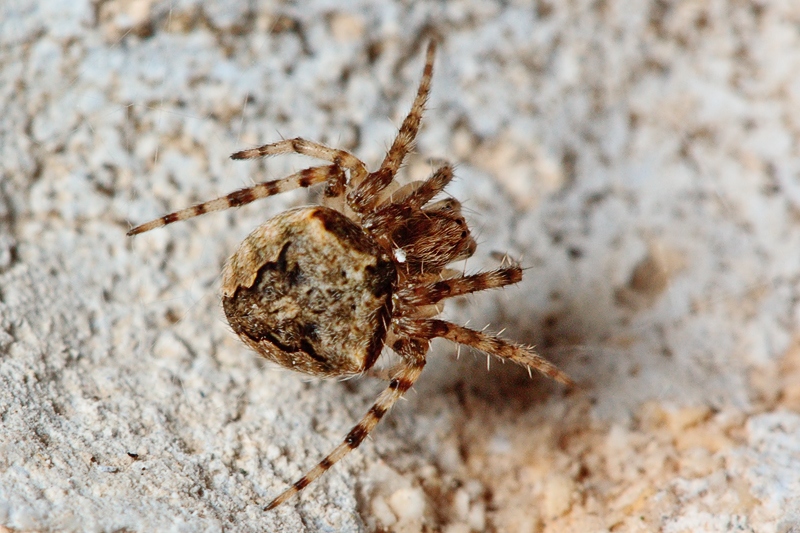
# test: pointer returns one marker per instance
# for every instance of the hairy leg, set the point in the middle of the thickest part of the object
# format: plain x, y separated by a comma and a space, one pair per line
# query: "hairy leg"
413, 353
404, 141
342, 158
304, 178
523, 355
335, 186
365, 194
431, 293
424, 191
389, 216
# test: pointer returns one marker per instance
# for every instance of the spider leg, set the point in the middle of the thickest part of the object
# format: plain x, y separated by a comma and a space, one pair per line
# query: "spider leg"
342, 158
390, 215
413, 352
426, 190
404, 141
431, 293
490, 344
384, 374
365, 194
333, 196
305, 178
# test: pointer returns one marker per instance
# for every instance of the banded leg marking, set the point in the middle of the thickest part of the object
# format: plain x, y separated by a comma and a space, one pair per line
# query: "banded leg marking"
400, 383
404, 141
432, 293
342, 158
388, 216
493, 345
304, 178
366, 194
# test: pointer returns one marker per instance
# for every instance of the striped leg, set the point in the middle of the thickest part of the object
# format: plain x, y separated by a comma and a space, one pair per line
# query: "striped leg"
413, 352
428, 188
389, 215
342, 158
305, 178
431, 293
524, 355
365, 194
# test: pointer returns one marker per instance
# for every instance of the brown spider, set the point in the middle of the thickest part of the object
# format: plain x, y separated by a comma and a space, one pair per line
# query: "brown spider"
322, 289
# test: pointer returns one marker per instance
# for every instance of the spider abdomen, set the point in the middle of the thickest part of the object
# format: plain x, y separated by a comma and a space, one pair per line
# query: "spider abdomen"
310, 291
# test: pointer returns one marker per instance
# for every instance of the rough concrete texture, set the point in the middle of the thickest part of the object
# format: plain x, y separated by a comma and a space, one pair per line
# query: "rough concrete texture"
640, 157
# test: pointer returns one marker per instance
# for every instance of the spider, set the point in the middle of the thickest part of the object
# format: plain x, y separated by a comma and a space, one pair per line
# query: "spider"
322, 289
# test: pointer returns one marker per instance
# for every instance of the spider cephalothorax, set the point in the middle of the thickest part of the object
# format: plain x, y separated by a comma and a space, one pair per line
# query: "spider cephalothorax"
323, 289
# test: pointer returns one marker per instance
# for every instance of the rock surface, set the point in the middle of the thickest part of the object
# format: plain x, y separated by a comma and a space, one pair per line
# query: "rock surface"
641, 158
